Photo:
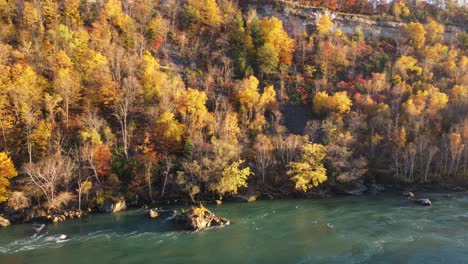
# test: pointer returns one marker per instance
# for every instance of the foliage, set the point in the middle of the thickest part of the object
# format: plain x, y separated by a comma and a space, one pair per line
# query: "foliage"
7, 171
309, 171
156, 99
232, 178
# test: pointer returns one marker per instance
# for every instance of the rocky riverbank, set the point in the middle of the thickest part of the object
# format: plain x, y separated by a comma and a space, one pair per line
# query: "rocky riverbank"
41, 215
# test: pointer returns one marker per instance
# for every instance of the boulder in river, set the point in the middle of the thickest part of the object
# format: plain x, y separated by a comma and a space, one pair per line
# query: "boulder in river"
197, 218
424, 202
153, 214
4, 222
113, 205
408, 194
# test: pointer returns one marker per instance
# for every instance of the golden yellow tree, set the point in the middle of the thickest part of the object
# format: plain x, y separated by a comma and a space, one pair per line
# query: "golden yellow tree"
434, 31
205, 11
309, 171
232, 178
325, 25
416, 34
7, 171
273, 32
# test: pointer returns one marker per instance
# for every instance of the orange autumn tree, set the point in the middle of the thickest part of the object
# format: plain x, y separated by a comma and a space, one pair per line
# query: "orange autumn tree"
7, 171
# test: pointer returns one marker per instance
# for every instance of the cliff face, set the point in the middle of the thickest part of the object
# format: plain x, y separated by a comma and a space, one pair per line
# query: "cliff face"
298, 19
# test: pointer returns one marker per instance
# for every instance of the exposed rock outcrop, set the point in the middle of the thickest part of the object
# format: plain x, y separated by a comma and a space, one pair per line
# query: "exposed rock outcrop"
408, 194
152, 214
113, 205
4, 222
197, 218
299, 17
424, 202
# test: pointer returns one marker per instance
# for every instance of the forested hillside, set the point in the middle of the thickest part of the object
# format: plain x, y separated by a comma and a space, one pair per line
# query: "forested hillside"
159, 100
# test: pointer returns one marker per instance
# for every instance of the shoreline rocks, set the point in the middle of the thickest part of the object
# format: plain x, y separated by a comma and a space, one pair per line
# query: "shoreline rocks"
113, 205
198, 218
4, 222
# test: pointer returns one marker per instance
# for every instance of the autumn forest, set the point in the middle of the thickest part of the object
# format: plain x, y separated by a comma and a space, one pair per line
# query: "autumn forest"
185, 100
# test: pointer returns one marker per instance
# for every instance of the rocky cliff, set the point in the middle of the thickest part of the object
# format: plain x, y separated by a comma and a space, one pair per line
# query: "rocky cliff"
298, 18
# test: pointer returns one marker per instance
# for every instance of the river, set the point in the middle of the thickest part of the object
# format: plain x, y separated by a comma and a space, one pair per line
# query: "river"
368, 229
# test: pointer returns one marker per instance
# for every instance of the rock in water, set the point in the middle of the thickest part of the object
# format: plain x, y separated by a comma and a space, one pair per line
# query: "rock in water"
424, 202
408, 194
39, 228
4, 222
197, 218
153, 214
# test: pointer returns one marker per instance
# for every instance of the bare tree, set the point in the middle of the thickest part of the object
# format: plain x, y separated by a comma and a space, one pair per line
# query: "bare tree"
263, 154
50, 174
168, 164
124, 106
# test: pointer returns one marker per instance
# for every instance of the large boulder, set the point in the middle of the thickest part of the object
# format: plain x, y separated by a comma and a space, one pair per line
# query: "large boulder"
4, 222
113, 205
408, 194
152, 213
424, 202
197, 218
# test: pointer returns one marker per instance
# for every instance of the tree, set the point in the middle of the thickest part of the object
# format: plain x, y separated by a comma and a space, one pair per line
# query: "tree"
434, 31
25, 94
263, 149
67, 86
7, 171
339, 103
406, 65
324, 25
205, 12
83, 187
309, 171
191, 105
124, 106
268, 58
51, 174
272, 32
250, 98
416, 34
169, 131
232, 178
399, 9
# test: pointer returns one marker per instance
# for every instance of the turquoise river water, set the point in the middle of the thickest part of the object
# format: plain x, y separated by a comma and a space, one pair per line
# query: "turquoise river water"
380, 229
